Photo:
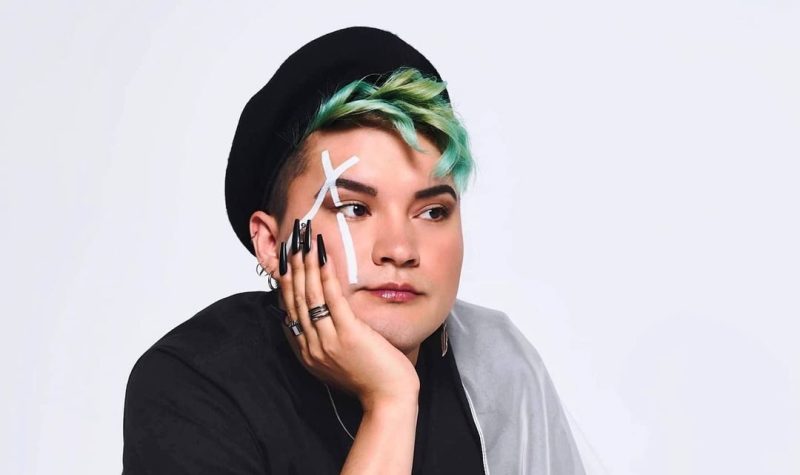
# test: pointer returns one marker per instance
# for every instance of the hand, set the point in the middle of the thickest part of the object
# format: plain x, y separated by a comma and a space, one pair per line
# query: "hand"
340, 349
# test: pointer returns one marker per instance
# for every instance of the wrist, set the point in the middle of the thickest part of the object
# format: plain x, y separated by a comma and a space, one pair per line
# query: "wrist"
396, 404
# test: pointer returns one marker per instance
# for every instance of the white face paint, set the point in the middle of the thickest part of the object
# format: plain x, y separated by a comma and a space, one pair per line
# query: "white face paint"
331, 175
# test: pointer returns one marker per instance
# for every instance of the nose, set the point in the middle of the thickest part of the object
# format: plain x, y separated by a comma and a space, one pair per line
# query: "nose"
395, 243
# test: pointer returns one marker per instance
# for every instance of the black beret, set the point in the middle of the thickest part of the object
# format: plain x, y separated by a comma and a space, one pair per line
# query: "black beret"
275, 117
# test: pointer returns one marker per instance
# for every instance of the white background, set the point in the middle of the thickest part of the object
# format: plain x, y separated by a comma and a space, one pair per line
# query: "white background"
637, 193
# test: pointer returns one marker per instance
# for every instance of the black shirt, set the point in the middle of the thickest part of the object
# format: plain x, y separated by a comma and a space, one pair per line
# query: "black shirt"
224, 393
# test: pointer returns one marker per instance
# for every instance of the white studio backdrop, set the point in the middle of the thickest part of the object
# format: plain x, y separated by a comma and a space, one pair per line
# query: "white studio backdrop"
637, 193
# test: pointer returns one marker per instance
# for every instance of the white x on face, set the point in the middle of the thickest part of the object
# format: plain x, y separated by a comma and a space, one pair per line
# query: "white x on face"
331, 175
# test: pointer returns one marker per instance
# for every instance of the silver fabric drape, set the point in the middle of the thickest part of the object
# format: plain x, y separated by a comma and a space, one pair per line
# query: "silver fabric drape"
519, 416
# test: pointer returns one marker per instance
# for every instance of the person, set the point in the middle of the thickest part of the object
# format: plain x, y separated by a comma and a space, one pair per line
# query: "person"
345, 180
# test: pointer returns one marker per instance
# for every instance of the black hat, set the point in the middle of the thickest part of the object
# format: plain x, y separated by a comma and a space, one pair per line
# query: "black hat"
275, 117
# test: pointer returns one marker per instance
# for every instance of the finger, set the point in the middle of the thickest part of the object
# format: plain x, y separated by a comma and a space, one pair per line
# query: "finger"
341, 314
299, 284
314, 296
287, 294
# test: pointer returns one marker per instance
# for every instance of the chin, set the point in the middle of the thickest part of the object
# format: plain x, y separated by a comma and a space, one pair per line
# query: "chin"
404, 325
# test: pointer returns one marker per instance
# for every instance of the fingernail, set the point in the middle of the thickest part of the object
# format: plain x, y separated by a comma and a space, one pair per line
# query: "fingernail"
296, 236
323, 258
307, 238
283, 266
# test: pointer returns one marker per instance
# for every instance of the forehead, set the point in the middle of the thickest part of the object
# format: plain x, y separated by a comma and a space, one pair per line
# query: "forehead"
385, 159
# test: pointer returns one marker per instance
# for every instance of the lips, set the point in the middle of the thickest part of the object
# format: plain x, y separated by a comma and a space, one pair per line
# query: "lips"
394, 292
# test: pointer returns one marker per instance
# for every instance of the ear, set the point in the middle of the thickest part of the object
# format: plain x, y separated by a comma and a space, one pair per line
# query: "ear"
264, 233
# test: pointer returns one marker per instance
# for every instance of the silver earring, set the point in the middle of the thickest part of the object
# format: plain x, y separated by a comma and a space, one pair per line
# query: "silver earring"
260, 269
444, 339
271, 282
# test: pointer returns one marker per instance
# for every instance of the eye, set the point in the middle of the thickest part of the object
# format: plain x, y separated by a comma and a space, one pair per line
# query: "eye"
353, 210
435, 214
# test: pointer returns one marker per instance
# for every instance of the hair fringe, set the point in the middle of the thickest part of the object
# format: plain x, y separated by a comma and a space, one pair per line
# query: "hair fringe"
408, 100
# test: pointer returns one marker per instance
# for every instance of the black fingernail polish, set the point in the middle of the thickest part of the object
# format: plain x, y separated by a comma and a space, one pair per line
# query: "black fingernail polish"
283, 265
323, 258
296, 236
307, 238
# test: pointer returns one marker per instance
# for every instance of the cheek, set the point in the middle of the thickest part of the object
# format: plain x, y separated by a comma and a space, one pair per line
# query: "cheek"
362, 239
441, 259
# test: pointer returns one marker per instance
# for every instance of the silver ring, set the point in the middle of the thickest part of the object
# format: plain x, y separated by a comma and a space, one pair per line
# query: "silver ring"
295, 327
318, 312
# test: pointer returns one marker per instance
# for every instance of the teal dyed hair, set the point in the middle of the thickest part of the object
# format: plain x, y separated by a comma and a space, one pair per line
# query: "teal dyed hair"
410, 102
407, 102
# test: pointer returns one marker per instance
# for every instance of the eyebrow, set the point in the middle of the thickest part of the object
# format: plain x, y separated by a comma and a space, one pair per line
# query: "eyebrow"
434, 191
353, 185
358, 187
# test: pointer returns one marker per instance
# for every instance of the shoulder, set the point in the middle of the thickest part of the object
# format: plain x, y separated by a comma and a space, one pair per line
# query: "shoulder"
190, 389
235, 321
511, 391
485, 322
214, 343
491, 332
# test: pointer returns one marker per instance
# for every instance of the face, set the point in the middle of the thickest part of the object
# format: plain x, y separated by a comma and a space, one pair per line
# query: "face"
405, 227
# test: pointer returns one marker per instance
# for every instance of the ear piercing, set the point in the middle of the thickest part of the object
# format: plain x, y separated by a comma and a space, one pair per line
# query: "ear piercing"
271, 282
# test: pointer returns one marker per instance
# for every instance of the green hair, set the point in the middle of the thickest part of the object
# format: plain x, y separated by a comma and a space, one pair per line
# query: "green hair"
409, 101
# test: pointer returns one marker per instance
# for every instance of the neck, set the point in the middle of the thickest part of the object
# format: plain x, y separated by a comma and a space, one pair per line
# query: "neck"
413, 355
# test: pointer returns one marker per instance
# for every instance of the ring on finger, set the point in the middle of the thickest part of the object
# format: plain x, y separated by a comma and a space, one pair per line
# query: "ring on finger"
319, 312
295, 327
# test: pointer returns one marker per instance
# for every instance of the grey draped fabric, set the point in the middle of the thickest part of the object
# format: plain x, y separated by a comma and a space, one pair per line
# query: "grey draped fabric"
519, 416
